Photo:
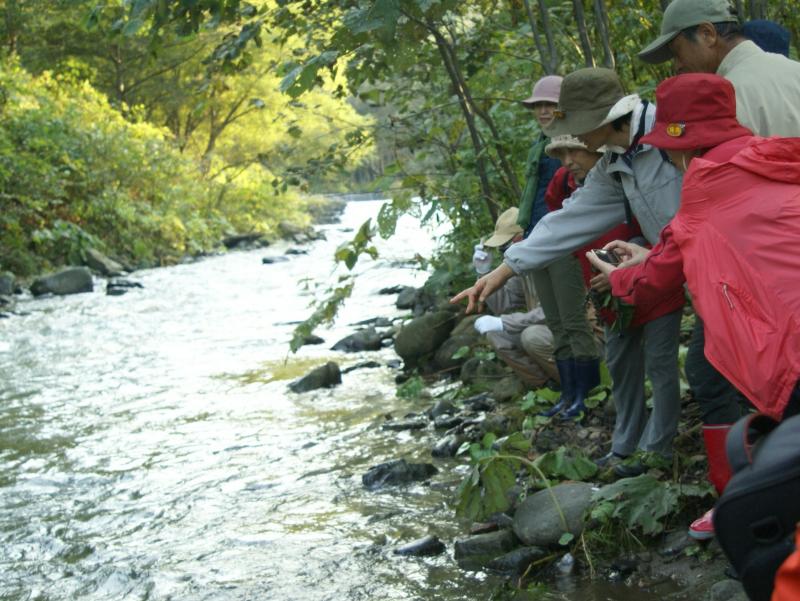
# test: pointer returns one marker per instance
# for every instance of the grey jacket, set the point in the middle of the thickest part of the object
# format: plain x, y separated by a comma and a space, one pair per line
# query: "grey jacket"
651, 184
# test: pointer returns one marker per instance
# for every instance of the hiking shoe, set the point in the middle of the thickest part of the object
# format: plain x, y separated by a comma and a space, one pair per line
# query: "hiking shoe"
703, 527
630, 469
610, 459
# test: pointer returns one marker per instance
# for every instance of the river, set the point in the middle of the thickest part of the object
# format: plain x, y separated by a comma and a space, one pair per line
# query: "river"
149, 448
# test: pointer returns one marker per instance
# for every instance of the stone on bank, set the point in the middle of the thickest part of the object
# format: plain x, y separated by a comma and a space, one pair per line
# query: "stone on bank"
72, 280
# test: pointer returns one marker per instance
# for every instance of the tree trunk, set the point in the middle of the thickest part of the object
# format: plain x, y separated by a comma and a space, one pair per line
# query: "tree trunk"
603, 28
740, 10
548, 32
545, 60
586, 45
477, 145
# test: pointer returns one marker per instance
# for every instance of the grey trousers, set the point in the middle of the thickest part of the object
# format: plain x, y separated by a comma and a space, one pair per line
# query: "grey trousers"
651, 349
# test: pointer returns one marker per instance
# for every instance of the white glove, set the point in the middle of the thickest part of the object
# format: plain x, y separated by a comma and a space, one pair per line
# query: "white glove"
488, 323
481, 260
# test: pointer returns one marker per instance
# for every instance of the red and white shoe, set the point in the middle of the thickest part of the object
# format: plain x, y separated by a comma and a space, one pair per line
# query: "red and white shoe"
703, 527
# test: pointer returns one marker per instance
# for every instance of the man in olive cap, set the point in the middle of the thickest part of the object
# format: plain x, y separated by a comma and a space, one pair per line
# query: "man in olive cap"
704, 36
630, 180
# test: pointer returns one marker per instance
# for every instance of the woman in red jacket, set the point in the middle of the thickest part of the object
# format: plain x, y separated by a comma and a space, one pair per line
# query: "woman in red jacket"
735, 241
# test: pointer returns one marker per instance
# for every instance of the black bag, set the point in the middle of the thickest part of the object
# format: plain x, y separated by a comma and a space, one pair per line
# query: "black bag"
756, 516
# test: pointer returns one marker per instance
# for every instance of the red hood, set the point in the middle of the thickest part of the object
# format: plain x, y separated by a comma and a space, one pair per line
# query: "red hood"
772, 158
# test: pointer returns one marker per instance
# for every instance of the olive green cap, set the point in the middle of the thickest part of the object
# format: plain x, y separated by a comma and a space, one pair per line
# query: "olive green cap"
681, 14
587, 96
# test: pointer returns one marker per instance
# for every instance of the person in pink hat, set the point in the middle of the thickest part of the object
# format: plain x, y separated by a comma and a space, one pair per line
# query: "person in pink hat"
735, 241
539, 168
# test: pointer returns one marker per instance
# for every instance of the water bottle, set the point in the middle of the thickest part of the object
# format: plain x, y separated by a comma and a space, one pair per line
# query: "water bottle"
481, 260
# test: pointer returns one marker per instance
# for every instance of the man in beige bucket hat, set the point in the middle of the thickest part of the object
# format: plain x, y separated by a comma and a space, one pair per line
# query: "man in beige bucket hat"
630, 180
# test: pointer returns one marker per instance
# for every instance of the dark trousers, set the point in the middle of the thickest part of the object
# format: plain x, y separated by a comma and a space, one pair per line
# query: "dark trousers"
720, 402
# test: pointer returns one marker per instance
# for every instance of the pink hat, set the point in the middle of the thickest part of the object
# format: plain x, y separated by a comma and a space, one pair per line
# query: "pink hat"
545, 90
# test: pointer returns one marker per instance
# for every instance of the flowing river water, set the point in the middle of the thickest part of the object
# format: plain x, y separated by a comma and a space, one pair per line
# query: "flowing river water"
149, 448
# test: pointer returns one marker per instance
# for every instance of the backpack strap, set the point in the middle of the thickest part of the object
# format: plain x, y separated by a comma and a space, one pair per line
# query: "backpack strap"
627, 158
744, 435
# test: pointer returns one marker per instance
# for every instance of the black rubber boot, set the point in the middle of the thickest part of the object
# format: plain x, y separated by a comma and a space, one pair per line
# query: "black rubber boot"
566, 371
587, 376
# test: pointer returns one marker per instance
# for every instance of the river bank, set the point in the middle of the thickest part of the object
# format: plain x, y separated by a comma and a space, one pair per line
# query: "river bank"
150, 448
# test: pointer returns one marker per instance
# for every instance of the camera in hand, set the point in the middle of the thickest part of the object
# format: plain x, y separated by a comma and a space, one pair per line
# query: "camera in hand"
609, 256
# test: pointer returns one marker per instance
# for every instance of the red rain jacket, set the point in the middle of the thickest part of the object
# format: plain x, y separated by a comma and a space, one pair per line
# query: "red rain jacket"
737, 237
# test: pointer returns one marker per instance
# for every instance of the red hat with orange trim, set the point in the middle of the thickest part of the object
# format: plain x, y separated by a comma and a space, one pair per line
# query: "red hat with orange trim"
695, 110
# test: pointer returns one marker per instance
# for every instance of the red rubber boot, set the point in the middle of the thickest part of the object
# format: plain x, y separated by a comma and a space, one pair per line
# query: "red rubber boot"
719, 472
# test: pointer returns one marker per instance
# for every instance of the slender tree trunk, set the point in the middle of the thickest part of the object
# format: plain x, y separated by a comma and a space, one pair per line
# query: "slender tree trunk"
740, 10
586, 45
546, 60
497, 144
548, 33
603, 28
477, 146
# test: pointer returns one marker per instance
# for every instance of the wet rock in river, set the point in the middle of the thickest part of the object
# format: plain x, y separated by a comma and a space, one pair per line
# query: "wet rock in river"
243, 241
448, 446
392, 290
71, 280
362, 365
313, 339
479, 402
7, 283
422, 336
396, 472
119, 286
271, 260
104, 265
428, 545
476, 552
378, 322
516, 561
296, 251
363, 340
414, 423
405, 298
324, 376
441, 408
537, 521
445, 422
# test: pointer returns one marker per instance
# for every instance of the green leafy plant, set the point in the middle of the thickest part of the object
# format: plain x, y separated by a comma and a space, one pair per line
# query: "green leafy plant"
642, 504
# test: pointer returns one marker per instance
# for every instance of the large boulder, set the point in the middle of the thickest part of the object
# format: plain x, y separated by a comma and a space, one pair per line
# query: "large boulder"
67, 281
102, 264
444, 356
476, 552
406, 298
537, 521
367, 339
8, 283
324, 376
398, 471
422, 336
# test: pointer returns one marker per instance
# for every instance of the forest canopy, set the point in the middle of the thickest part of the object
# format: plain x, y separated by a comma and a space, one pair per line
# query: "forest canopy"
153, 127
